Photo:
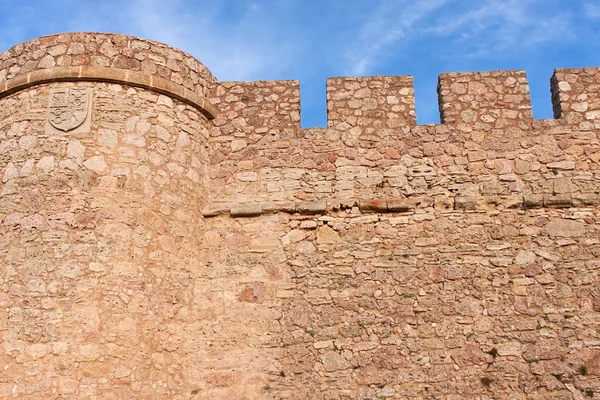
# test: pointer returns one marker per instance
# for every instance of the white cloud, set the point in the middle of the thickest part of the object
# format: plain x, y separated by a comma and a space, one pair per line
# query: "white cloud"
242, 46
241, 49
391, 21
475, 28
592, 10
496, 26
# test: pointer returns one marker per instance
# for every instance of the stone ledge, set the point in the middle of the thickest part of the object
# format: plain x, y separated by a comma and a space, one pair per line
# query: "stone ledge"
110, 75
404, 205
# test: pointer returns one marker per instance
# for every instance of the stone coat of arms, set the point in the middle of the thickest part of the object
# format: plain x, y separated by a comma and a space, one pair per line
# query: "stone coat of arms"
68, 108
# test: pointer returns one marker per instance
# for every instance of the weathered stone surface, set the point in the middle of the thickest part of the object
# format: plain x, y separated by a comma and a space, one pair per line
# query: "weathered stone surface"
510, 349
96, 164
334, 361
471, 354
46, 164
562, 165
565, 228
465, 203
526, 305
545, 350
162, 254
10, 172
326, 235
246, 210
75, 149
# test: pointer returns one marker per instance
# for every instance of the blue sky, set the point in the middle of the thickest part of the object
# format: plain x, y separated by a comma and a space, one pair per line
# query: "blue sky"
311, 40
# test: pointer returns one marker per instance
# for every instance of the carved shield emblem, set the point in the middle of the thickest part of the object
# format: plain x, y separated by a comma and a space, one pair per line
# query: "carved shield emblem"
68, 108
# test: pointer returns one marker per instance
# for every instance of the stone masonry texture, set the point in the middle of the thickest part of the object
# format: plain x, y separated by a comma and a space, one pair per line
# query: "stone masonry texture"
191, 241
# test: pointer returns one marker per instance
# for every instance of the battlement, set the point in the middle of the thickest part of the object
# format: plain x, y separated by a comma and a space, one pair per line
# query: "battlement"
487, 153
485, 100
491, 102
481, 101
576, 95
368, 104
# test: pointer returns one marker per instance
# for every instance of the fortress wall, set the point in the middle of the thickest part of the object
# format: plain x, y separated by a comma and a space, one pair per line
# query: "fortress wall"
487, 153
552, 164
238, 331
254, 109
457, 260
253, 117
197, 244
441, 305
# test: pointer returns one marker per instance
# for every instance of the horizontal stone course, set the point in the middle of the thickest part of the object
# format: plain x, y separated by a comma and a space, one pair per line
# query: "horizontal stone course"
253, 209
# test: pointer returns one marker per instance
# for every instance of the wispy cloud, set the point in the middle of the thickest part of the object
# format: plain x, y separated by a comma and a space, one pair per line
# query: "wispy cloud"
237, 40
491, 27
234, 48
477, 28
592, 10
391, 21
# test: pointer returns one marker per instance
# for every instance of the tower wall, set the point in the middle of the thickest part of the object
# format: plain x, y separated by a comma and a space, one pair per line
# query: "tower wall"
101, 224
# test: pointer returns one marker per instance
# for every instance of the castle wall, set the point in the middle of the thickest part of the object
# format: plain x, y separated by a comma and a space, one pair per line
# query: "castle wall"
456, 260
191, 241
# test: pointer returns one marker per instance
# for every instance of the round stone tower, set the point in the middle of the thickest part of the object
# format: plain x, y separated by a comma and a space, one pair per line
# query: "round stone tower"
103, 148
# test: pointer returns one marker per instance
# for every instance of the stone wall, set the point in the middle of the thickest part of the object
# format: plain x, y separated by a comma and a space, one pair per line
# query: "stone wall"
457, 260
201, 245
106, 51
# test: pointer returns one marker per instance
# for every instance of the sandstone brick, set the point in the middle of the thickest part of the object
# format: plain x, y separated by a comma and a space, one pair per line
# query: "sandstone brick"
465, 203
510, 349
564, 228
333, 361
27, 142
67, 386
10, 172
47, 62
526, 305
96, 164
326, 235
46, 164
565, 165
293, 236
470, 355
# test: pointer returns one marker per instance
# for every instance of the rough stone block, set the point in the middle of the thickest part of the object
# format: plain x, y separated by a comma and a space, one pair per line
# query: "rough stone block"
485, 100
561, 200
246, 210
465, 203
311, 207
